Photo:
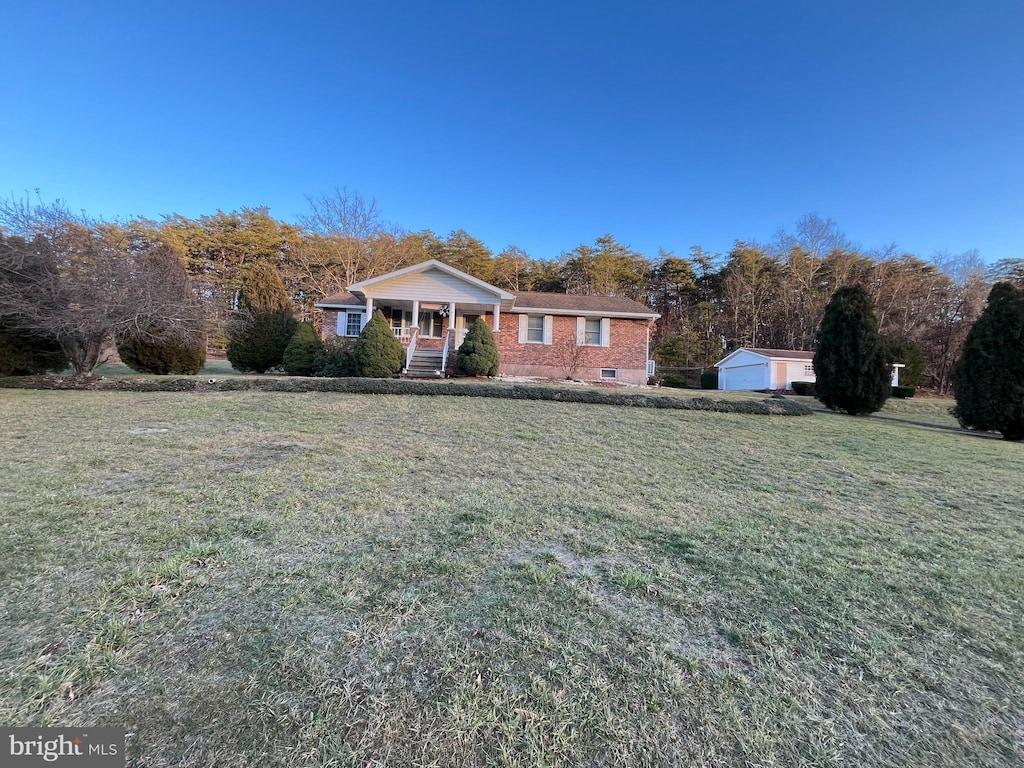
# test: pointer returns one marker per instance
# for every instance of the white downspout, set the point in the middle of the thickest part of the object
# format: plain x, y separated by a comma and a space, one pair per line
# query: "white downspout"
647, 346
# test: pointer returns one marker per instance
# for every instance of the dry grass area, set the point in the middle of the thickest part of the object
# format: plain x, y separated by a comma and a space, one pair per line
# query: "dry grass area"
350, 580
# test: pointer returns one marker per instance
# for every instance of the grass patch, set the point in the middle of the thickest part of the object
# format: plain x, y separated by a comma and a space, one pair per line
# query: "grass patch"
339, 579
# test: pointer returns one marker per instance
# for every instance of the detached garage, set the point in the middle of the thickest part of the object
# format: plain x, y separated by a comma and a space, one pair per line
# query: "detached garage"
749, 368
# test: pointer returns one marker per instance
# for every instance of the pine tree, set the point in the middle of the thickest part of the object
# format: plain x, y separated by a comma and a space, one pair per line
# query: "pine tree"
478, 353
159, 352
263, 324
378, 354
851, 373
302, 352
988, 379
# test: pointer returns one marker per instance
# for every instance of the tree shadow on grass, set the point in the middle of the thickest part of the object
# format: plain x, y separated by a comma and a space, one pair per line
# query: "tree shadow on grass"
928, 425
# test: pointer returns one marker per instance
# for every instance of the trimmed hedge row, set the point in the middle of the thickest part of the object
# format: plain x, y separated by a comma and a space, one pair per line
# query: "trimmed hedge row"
633, 399
805, 388
674, 381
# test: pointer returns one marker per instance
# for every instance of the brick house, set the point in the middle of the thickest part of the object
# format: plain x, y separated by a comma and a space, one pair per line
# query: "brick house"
431, 306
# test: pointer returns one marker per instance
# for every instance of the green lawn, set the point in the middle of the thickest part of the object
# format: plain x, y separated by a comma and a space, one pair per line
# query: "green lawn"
350, 580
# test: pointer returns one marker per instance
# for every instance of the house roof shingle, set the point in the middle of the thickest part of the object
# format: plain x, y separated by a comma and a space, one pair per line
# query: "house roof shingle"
795, 354
341, 299
557, 302
570, 302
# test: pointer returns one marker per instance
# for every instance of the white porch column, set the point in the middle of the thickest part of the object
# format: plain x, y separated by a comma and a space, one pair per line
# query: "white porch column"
415, 313
369, 310
497, 317
451, 316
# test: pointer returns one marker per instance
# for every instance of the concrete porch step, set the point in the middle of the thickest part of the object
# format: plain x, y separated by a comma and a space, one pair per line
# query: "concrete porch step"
425, 364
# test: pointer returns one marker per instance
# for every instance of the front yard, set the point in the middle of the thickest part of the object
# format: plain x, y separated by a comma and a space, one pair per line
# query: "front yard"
289, 579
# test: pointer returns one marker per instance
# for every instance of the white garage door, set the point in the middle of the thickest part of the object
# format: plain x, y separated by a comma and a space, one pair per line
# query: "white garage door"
746, 377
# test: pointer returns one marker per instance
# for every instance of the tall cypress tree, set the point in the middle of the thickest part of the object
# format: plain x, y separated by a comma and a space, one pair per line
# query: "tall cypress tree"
988, 379
851, 373
263, 290
264, 324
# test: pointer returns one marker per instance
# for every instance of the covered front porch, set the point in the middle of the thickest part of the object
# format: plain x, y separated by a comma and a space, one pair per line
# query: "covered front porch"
431, 332
429, 306
431, 324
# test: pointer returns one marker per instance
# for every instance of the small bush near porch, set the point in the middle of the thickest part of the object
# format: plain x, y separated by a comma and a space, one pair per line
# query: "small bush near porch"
377, 353
478, 354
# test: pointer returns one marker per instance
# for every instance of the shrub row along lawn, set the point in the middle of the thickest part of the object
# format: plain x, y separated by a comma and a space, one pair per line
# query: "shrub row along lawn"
292, 579
622, 396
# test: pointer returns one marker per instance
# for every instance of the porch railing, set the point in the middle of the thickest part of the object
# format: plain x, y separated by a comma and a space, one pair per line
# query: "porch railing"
444, 352
409, 350
402, 334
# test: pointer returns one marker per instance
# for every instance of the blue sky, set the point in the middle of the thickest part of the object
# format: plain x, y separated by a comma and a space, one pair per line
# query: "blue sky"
541, 125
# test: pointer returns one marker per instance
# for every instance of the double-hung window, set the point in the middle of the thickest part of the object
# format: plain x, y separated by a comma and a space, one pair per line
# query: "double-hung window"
535, 328
354, 323
592, 331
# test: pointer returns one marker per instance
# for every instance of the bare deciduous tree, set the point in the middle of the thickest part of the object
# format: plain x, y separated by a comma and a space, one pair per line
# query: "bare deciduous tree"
815, 235
349, 242
82, 283
571, 354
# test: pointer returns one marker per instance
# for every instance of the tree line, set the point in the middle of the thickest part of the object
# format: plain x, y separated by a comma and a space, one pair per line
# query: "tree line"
186, 273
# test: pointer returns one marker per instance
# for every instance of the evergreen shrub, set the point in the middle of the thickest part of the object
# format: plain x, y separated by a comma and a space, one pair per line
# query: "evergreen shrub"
675, 381
988, 379
850, 366
336, 359
805, 388
25, 354
377, 353
478, 353
159, 352
908, 353
258, 340
303, 350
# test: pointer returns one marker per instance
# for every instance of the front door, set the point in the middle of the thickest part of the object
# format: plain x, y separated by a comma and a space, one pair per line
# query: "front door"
464, 323
431, 324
